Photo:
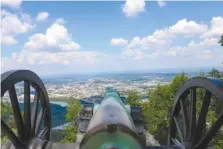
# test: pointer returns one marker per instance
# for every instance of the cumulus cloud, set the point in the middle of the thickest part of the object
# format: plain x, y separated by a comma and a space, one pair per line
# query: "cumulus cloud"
185, 27
11, 3
182, 27
133, 7
204, 49
206, 43
42, 16
206, 54
54, 48
164, 42
47, 62
56, 38
177, 51
162, 37
215, 29
134, 53
161, 3
184, 43
118, 41
8, 40
44, 57
12, 25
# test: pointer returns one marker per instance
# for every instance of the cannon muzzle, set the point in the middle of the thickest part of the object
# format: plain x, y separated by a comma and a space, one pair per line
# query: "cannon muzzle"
111, 126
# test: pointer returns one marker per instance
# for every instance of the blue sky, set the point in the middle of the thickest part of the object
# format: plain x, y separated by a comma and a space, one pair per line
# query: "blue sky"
85, 37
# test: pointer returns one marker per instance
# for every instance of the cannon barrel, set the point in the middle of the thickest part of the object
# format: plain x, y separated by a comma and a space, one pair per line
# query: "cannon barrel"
111, 126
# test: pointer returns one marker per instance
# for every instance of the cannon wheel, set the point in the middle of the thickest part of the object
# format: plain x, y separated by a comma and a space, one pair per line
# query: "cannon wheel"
191, 131
35, 115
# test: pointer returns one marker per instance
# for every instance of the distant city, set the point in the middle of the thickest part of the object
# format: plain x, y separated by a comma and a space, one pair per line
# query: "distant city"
84, 86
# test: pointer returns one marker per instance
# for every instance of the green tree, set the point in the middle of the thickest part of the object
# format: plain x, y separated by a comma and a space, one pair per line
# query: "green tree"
177, 82
70, 131
6, 110
157, 110
73, 109
70, 134
221, 40
202, 74
214, 73
7, 116
133, 98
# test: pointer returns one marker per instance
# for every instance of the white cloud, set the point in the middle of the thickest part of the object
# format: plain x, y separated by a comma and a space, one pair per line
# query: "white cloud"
206, 43
42, 16
167, 42
184, 27
206, 54
134, 53
69, 46
145, 43
176, 51
56, 38
134, 42
151, 40
118, 41
48, 63
133, 7
12, 25
11, 3
162, 38
161, 3
205, 49
54, 48
177, 45
215, 29
8, 40
42, 58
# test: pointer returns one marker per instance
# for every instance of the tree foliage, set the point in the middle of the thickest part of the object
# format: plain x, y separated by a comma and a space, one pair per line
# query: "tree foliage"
157, 110
70, 134
133, 98
70, 131
73, 109
6, 110
7, 116
215, 73
221, 40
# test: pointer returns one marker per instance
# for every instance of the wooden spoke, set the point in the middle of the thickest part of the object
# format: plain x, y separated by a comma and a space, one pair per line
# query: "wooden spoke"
43, 133
202, 117
211, 133
16, 112
176, 142
192, 113
34, 113
178, 129
10, 134
27, 114
39, 119
185, 118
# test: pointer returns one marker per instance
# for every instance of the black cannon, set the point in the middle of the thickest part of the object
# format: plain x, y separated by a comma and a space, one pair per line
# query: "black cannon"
111, 124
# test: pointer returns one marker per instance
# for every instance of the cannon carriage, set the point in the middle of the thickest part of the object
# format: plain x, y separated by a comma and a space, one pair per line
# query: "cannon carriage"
111, 124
